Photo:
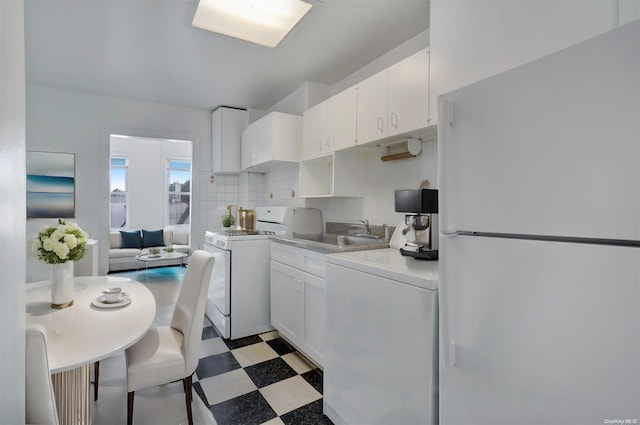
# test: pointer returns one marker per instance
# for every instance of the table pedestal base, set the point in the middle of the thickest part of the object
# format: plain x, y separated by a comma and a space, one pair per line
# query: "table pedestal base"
72, 390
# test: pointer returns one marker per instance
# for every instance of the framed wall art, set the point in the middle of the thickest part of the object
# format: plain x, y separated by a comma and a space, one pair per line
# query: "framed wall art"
51, 185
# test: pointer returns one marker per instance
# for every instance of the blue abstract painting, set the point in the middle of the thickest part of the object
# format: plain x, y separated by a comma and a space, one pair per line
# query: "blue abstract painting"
50, 185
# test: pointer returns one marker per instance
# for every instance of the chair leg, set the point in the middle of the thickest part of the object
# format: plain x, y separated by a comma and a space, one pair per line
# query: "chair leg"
130, 407
188, 395
96, 369
184, 385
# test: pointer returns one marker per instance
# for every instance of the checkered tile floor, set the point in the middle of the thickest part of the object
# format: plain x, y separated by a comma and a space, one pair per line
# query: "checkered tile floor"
259, 379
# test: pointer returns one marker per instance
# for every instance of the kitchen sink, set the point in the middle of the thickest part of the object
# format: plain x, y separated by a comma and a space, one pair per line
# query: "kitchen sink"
341, 240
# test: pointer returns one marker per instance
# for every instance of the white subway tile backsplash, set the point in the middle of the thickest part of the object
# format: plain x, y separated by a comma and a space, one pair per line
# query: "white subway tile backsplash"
254, 189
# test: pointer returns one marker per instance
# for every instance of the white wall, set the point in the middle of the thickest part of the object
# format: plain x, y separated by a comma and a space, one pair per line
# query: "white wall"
403, 51
282, 187
12, 211
628, 10
69, 121
147, 179
301, 99
382, 178
379, 200
221, 190
472, 40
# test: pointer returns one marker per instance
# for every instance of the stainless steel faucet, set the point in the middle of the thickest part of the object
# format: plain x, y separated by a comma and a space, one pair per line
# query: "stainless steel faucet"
367, 228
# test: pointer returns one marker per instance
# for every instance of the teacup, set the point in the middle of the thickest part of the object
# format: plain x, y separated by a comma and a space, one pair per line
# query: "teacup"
112, 295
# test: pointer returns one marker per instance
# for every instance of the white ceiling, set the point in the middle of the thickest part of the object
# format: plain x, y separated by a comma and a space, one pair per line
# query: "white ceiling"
148, 50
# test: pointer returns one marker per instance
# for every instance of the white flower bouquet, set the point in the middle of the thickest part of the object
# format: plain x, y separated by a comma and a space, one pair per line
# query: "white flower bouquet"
61, 243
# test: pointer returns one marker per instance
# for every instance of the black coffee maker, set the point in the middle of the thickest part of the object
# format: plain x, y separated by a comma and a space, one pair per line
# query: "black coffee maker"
422, 204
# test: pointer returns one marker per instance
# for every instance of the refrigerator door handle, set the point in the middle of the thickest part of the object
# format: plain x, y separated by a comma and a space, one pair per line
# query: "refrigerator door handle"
445, 119
447, 340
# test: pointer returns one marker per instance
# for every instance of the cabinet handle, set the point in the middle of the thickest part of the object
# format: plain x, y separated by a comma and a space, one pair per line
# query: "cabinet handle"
394, 119
328, 142
380, 124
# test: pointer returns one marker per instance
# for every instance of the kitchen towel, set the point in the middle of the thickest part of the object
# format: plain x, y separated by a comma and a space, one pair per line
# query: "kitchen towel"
399, 238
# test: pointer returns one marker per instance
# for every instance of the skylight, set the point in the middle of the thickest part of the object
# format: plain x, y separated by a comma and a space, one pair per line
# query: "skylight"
263, 22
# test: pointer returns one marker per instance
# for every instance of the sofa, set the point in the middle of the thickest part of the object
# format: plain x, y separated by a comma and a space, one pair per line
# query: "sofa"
125, 245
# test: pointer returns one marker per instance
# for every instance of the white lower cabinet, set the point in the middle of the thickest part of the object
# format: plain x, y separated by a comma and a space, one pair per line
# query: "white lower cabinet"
287, 301
298, 298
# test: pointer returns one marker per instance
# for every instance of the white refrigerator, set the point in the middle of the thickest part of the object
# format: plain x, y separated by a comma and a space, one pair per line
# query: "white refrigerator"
539, 184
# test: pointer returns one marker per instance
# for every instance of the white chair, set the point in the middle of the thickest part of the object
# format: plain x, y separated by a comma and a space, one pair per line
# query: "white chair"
170, 353
40, 403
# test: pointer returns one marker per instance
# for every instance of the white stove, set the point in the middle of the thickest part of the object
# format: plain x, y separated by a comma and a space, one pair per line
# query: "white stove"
238, 300
270, 221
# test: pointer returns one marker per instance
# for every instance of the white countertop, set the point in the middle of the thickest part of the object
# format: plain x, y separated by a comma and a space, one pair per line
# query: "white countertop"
389, 263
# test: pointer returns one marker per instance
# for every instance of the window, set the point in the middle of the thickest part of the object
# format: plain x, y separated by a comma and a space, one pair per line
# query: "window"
118, 195
179, 191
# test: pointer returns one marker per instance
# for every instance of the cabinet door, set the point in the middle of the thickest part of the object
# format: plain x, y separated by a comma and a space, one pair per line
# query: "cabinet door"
313, 130
256, 142
287, 301
247, 149
227, 125
372, 108
263, 144
216, 141
286, 138
314, 317
409, 94
341, 120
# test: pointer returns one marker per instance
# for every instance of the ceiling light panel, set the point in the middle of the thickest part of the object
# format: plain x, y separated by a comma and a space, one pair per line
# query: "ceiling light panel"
263, 22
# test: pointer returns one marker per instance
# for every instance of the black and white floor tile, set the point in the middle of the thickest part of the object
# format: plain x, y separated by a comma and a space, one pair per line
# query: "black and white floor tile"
259, 379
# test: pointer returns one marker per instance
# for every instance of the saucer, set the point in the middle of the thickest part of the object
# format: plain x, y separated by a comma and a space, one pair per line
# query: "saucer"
101, 303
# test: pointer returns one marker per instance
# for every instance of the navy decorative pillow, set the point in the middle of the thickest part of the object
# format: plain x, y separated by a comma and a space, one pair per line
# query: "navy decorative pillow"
131, 239
152, 238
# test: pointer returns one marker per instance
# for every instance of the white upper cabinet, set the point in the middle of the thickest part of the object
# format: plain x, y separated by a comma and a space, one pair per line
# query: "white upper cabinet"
313, 131
227, 125
273, 139
336, 174
373, 108
409, 94
341, 120
394, 101
330, 125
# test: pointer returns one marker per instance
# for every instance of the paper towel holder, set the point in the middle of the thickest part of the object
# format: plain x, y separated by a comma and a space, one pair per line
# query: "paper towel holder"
412, 149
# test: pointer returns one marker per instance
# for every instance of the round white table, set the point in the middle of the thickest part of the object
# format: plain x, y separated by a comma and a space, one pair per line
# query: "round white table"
82, 334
